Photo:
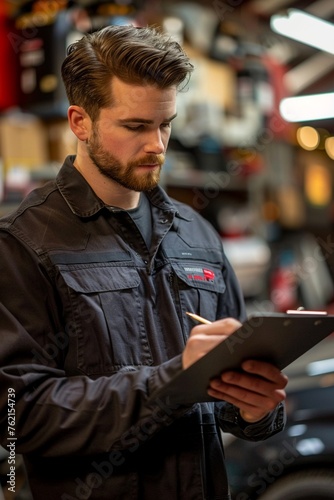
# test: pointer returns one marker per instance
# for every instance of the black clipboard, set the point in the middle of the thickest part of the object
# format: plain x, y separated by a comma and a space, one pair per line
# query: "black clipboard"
279, 338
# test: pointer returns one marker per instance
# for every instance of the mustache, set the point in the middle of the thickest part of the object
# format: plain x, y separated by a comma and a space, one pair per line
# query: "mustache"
150, 160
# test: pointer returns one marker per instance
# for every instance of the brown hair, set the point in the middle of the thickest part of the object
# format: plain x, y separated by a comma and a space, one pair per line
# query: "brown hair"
134, 55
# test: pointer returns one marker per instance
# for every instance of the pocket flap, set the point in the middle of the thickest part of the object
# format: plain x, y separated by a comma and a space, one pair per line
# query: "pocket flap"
101, 279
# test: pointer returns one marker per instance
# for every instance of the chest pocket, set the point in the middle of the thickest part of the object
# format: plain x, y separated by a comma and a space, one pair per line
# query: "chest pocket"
104, 318
198, 285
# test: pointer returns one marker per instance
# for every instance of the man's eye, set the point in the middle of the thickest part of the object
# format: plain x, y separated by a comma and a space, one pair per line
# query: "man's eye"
166, 125
133, 127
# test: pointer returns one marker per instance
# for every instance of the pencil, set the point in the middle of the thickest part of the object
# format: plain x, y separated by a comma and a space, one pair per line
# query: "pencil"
199, 318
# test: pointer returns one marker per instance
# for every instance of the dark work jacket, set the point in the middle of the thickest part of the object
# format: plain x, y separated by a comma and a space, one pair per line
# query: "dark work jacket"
92, 323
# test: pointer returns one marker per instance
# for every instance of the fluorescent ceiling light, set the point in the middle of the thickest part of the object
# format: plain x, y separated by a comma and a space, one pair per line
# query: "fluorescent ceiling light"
305, 28
308, 107
320, 367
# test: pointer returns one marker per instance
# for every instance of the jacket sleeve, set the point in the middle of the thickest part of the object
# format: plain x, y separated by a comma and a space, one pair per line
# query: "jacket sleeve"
230, 421
56, 414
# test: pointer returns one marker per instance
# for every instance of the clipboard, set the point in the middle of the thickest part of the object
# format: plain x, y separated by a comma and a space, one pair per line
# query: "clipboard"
279, 338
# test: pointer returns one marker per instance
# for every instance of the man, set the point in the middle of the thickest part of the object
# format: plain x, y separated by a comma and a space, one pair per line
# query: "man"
95, 282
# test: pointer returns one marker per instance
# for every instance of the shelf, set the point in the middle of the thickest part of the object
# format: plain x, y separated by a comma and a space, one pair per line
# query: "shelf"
222, 180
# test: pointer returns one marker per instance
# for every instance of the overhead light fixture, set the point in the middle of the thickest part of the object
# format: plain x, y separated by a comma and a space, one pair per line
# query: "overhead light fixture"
308, 138
329, 147
320, 367
305, 28
307, 108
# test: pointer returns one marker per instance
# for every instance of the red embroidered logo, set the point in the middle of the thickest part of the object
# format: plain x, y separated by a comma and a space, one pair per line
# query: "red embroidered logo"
209, 275
200, 274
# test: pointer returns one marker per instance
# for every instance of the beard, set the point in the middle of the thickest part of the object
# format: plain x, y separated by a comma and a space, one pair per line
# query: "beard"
126, 175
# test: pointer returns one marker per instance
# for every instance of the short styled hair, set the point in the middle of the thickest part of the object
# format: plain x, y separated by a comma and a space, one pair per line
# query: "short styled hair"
136, 55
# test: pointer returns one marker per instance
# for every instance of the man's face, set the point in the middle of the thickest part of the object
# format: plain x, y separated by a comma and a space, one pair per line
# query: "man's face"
129, 140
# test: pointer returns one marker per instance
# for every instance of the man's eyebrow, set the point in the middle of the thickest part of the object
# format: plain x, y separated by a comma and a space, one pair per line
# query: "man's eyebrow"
143, 120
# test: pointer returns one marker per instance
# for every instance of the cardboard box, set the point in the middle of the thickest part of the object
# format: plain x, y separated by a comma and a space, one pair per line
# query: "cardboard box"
23, 142
62, 141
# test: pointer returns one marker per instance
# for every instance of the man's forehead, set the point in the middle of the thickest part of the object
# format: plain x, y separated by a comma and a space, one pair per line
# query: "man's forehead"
135, 110
125, 93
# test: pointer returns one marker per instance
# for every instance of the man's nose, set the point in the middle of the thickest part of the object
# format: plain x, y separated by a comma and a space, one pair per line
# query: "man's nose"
155, 143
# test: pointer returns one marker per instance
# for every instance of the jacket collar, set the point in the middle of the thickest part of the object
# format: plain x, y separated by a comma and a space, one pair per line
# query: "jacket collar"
76, 191
82, 200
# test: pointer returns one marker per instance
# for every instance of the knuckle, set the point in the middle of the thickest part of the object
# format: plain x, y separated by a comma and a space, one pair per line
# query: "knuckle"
231, 324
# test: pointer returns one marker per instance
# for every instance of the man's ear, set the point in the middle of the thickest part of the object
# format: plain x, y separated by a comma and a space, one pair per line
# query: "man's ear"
79, 122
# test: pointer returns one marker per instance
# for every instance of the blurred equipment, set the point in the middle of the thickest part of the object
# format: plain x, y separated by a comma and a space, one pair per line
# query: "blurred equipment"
250, 258
44, 31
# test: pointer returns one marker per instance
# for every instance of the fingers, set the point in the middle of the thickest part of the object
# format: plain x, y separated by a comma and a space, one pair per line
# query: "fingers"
266, 370
224, 326
255, 391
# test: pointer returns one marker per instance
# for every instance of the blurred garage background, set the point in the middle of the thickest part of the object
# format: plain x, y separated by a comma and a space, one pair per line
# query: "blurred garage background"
252, 149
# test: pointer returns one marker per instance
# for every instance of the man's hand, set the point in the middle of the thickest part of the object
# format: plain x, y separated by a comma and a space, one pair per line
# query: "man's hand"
256, 390
203, 338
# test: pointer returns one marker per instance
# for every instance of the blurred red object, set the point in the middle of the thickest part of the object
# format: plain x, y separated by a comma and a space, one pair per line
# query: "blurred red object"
8, 59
